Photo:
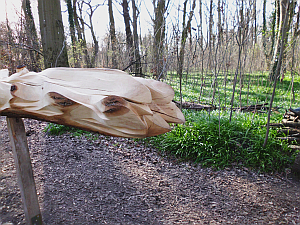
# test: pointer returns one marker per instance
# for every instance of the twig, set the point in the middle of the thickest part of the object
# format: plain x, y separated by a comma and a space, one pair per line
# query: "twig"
132, 63
16, 45
60, 53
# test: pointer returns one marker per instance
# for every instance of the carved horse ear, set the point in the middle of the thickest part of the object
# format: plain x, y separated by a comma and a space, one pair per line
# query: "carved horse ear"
20, 68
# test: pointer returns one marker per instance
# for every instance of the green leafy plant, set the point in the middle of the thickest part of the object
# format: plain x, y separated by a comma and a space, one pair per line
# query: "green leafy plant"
57, 129
215, 142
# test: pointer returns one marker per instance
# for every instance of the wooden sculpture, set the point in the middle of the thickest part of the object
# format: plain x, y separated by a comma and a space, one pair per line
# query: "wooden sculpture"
106, 101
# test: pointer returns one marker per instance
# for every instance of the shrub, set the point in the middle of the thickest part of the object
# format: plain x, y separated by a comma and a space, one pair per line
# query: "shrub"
218, 143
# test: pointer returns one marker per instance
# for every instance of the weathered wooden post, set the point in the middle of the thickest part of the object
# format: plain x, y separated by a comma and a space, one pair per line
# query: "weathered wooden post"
22, 160
17, 135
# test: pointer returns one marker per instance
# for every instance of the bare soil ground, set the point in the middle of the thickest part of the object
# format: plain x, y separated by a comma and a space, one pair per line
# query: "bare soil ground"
119, 181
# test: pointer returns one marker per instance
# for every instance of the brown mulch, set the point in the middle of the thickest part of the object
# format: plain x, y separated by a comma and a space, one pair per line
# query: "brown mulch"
119, 181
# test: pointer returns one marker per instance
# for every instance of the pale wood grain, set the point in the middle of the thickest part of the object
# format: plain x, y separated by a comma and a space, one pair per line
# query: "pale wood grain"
107, 101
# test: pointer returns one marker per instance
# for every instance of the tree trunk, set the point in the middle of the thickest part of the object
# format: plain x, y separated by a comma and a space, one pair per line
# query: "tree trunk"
185, 28
220, 29
137, 57
79, 24
52, 32
234, 82
96, 43
283, 12
210, 34
255, 22
72, 31
129, 40
294, 40
281, 48
71, 21
112, 32
76, 21
159, 36
200, 28
268, 49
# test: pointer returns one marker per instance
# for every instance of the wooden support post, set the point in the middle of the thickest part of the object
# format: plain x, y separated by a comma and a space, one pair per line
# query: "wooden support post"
22, 160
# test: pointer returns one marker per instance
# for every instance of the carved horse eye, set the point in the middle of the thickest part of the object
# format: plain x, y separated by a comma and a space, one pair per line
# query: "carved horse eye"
13, 88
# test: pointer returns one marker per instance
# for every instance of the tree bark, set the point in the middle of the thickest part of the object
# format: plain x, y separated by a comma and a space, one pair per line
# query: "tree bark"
52, 32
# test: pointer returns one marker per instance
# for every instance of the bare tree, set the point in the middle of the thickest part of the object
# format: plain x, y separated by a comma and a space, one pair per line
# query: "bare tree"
255, 22
283, 12
112, 32
80, 28
241, 38
160, 8
90, 12
268, 36
275, 74
296, 33
32, 38
220, 27
186, 27
10, 40
137, 57
210, 34
129, 39
201, 43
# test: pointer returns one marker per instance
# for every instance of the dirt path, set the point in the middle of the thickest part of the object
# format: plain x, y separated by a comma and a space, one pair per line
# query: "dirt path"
117, 181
